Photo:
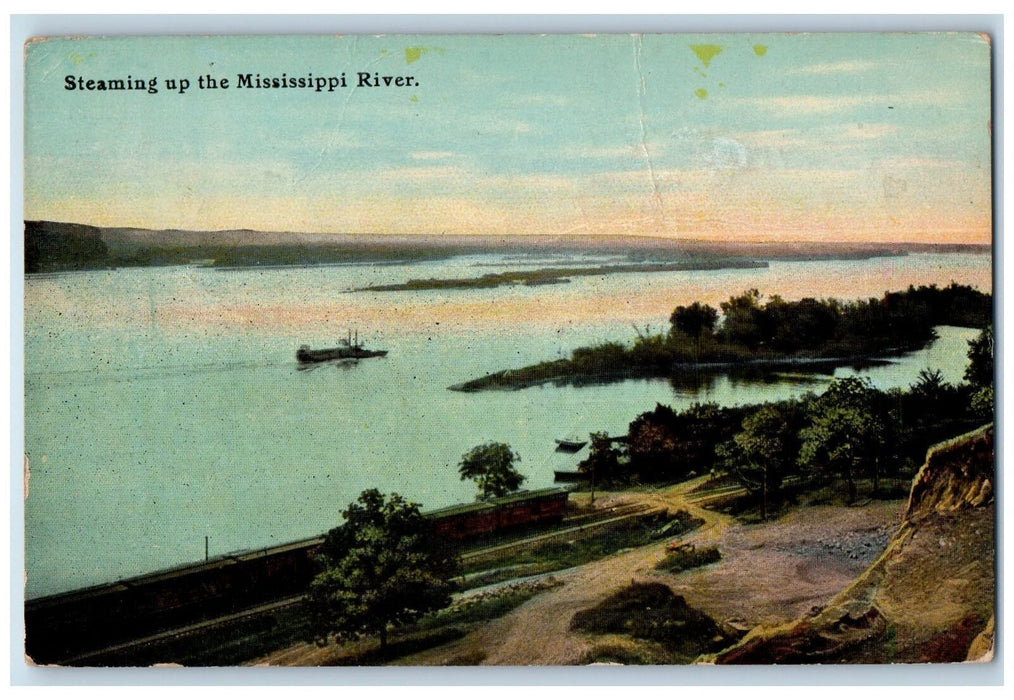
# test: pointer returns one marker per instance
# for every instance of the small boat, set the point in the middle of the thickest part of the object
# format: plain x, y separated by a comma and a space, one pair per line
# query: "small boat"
348, 349
570, 444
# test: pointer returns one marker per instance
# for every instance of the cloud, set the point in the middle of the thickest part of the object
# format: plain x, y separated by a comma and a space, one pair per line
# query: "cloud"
538, 99
432, 155
862, 132
804, 104
774, 140
630, 150
492, 124
837, 67
809, 105
916, 162
822, 138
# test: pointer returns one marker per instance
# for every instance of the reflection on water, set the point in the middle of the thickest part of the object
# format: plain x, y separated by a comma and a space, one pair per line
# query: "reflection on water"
692, 381
695, 382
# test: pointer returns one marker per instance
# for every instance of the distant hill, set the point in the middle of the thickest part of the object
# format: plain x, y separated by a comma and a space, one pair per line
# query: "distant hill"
54, 246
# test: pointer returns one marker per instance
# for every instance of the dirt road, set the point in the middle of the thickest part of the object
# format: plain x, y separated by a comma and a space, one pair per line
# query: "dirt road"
768, 573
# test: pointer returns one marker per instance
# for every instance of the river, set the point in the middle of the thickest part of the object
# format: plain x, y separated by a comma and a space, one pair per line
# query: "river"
164, 405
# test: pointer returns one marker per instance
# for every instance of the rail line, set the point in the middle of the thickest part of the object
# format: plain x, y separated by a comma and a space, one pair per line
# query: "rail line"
574, 525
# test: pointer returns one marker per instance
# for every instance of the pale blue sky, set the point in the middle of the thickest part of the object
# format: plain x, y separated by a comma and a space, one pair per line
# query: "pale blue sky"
775, 136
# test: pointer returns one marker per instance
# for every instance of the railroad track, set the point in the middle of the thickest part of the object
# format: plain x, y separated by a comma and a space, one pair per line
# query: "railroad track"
178, 633
572, 525
615, 516
705, 497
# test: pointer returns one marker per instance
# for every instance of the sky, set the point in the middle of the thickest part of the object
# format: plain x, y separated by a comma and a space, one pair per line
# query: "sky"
750, 137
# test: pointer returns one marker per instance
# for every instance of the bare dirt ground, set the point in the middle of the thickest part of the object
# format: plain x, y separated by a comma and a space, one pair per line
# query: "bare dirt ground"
768, 573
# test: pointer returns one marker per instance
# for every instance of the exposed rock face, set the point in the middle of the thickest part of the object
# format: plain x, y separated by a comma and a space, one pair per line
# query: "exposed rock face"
929, 597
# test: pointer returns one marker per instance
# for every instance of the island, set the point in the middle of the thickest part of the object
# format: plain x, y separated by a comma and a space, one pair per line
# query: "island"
751, 332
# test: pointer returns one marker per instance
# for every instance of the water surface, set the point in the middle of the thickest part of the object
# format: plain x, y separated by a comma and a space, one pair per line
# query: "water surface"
164, 405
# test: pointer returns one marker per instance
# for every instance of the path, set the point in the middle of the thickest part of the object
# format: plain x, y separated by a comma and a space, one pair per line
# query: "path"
769, 572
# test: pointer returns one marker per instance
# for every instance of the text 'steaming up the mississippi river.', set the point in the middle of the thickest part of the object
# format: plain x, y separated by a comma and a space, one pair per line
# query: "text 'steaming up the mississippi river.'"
251, 81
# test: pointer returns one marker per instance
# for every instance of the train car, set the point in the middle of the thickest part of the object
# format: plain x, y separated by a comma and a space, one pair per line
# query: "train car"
62, 626
489, 517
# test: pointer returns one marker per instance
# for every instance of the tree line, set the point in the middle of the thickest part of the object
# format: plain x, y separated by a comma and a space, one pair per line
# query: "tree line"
750, 326
747, 328
850, 433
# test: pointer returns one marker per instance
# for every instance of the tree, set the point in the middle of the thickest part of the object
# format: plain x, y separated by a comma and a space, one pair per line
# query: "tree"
982, 403
491, 467
663, 445
743, 322
930, 385
382, 566
695, 321
979, 373
762, 453
603, 461
845, 435
980, 359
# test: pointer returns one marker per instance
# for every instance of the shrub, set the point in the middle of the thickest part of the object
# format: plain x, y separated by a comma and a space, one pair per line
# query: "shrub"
651, 611
684, 559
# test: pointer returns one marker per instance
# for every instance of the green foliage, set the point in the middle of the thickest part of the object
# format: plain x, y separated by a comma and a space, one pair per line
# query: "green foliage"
605, 357
851, 432
667, 446
488, 606
603, 461
763, 442
982, 404
980, 355
762, 452
382, 566
744, 320
897, 321
559, 275
627, 654
846, 431
930, 385
491, 467
694, 320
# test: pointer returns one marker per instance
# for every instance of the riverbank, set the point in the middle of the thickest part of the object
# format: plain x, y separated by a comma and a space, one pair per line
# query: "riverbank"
514, 380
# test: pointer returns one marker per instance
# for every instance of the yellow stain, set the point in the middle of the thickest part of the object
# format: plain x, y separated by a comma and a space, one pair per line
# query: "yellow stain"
706, 52
413, 53
701, 93
760, 49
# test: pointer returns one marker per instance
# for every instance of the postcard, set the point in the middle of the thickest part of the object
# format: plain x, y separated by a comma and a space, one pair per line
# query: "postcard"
519, 350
